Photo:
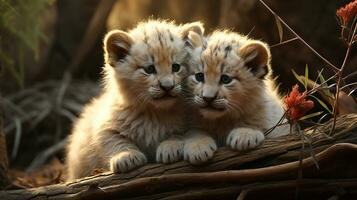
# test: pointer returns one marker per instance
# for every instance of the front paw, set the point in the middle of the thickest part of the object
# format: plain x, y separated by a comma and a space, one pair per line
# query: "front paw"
169, 151
244, 138
127, 160
199, 149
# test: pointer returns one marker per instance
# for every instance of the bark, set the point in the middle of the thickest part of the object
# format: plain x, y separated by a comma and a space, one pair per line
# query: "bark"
258, 173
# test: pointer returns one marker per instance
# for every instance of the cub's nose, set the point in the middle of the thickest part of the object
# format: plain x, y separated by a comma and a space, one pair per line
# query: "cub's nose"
209, 99
166, 87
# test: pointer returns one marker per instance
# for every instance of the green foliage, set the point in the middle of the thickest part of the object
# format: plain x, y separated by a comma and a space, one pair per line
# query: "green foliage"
21, 33
303, 80
280, 27
324, 88
321, 103
311, 115
306, 76
300, 79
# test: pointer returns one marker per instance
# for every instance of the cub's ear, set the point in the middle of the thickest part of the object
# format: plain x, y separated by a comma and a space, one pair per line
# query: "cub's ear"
116, 46
256, 56
196, 27
194, 40
192, 33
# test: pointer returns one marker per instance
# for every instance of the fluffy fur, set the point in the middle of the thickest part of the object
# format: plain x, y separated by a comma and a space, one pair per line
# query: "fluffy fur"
235, 98
139, 116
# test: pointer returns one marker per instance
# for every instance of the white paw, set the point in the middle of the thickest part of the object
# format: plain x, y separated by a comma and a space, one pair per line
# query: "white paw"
244, 138
127, 160
199, 149
169, 151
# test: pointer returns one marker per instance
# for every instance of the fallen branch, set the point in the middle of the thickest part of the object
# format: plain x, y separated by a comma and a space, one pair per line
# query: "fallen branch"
337, 165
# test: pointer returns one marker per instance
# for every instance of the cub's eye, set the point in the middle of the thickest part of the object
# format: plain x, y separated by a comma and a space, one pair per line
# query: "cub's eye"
200, 77
225, 79
176, 67
150, 69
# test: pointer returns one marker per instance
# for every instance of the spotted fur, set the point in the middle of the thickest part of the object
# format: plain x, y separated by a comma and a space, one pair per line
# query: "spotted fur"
139, 116
237, 101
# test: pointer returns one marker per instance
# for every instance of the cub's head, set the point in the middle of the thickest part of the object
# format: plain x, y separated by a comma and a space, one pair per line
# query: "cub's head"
147, 64
227, 76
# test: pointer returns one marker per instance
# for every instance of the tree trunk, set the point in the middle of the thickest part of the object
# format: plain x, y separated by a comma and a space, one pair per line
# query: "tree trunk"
328, 173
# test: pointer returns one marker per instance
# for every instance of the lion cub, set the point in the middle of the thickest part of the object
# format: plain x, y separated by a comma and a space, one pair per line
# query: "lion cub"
235, 100
139, 116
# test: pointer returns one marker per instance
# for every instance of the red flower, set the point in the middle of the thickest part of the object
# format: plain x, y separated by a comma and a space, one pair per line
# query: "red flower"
296, 104
347, 12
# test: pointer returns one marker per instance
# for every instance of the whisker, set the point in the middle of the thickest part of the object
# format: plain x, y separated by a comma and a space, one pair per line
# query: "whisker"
234, 107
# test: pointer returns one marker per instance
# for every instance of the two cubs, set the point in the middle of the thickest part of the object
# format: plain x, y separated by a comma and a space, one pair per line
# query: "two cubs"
170, 93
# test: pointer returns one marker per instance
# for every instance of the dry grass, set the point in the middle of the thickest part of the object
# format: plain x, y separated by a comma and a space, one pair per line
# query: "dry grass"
42, 114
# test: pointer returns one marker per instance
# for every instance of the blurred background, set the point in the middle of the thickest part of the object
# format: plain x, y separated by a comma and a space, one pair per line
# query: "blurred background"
51, 55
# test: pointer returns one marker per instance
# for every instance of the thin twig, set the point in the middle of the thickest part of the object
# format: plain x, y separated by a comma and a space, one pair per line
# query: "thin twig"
284, 42
62, 89
332, 66
340, 79
350, 84
242, 194
267, 132
251, 30
301, 157
349, 75
320, 86
15, 148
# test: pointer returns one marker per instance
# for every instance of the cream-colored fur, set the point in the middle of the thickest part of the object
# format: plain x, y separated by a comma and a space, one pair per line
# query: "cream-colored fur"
140, 114
235, 101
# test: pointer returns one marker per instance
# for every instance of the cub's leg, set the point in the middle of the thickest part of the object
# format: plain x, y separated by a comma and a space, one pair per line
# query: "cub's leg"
170, 150
244, 138
123, 155
82, 160
199, 147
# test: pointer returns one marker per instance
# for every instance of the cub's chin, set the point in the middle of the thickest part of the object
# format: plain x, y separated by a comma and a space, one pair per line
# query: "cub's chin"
210, 112
164, 102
